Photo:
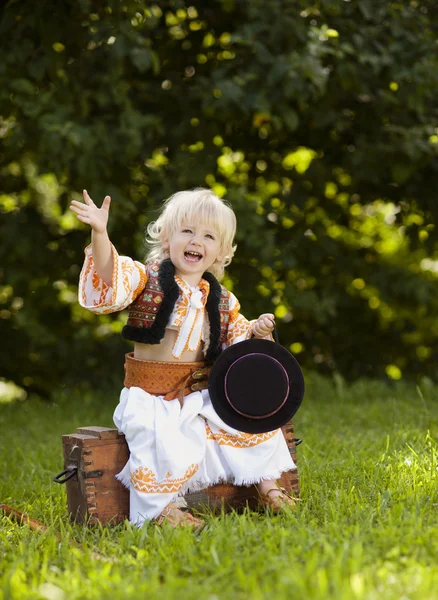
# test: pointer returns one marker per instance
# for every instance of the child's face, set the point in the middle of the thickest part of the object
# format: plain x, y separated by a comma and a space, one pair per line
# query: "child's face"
193, 249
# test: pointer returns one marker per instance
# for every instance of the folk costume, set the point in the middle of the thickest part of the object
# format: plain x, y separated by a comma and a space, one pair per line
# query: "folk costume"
177, 441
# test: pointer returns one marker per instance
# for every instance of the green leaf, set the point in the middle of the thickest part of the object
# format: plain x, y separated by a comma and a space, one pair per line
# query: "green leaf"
24, 86
141, 58
291, 119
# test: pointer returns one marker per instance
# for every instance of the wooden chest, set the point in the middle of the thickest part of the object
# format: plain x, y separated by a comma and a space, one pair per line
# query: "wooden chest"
94, 455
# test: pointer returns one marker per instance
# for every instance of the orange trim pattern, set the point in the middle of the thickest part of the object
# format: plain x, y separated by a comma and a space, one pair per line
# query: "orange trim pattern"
143, 279
103, 292
144, 480
85, 277
241, 439
233, 314
180, 312
204, 286
239, 330
115, 274
128, 280
127, 271
198, 343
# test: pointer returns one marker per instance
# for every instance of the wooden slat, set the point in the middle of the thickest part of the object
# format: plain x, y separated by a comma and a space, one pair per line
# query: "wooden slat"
103, 433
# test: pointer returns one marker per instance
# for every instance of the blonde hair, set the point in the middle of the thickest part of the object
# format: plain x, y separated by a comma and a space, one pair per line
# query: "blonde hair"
199, 205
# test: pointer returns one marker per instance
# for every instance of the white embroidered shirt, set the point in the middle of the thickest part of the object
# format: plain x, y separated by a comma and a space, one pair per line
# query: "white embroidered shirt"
188, 317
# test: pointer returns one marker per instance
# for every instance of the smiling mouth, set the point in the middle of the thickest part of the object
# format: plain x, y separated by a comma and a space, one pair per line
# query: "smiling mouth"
192, 256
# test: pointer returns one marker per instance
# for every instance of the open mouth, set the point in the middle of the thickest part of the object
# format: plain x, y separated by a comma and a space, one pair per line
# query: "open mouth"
192, 256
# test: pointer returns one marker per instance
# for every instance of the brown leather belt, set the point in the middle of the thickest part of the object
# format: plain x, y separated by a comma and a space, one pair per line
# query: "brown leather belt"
169, 379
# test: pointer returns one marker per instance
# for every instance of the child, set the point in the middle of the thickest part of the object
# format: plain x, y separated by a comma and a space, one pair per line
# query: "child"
180, 318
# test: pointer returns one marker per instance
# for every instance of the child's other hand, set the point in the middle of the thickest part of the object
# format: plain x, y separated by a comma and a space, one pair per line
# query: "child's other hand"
263, 326
89, 213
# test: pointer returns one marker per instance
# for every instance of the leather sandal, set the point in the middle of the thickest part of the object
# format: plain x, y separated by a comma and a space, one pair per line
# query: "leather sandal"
176, 517
277, 502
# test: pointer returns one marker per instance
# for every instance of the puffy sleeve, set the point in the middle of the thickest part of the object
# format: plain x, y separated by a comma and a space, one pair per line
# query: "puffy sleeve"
239, 328
129, 279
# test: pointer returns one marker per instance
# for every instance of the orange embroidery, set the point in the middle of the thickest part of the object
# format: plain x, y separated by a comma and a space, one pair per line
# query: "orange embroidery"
240, 440
182, 303
115, 275
103, 292
204, 286
99, 287
126, 274
180, 310
187, 346
240, 327
127, 270
85, 278
144, 480
96, 280
233, 314
142, 283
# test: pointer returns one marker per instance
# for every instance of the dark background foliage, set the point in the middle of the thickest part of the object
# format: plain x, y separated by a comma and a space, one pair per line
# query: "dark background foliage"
318, 121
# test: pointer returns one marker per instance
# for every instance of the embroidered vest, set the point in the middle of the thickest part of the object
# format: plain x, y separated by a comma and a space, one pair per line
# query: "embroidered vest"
149, 314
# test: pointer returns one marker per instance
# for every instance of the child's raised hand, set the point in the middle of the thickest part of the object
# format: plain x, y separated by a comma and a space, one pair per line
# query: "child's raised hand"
264, 325
89, 213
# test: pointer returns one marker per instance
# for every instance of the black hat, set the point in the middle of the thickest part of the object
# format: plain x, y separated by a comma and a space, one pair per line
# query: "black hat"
256, 386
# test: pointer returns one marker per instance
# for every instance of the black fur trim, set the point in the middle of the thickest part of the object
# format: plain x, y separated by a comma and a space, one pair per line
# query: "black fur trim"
155, 333
214, 316
166, 277
138, 334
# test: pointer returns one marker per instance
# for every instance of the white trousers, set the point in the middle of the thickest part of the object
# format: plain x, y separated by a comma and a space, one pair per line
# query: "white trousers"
175, 450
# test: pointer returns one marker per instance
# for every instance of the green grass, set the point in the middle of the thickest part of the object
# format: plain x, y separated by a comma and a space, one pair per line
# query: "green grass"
367, 527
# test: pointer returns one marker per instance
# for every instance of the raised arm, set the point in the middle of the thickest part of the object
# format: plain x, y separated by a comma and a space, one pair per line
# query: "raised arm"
97, 219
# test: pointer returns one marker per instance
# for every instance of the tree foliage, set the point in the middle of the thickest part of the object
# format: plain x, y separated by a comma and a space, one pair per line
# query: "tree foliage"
317, 120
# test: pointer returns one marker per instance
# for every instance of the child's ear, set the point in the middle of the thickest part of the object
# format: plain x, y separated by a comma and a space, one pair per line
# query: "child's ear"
166, 244
222, 255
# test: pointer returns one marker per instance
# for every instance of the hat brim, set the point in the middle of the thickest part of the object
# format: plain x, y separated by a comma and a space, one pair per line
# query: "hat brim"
216, 386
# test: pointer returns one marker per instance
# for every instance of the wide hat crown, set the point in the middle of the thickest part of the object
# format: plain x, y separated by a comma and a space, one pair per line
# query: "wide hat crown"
256, 386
